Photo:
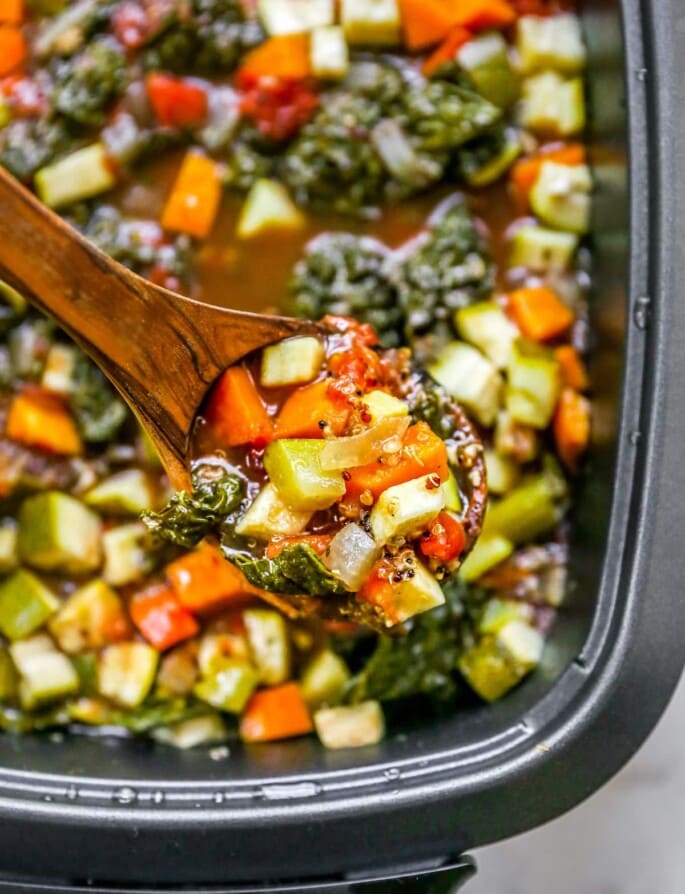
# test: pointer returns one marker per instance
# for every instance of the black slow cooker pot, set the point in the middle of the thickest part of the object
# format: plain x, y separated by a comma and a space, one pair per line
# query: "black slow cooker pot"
107, 815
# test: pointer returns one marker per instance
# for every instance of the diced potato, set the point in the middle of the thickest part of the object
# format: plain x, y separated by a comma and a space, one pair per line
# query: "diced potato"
324, 679
268, 207
81, 175
124, 493
330, 57
413, 596
503, 472
488, 328
295, 16
126, 672
375, 22
206, 730
269, 515
291, 362
542, 250
471, 378
294, 467
553, 106
353, 726
382, 405
58, 533
126, 560
58, 372
488, 552
406, 508
267, 634
554, 42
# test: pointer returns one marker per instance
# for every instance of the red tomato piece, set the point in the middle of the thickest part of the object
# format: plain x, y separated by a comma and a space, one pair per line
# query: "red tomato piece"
445, 539
177, 102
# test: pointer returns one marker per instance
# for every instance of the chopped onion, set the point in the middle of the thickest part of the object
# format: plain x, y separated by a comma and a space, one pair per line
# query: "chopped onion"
223, 118
399, 156
351, 555
367, 447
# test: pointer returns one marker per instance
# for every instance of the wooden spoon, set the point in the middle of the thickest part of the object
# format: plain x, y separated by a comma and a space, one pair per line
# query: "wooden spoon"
162, 351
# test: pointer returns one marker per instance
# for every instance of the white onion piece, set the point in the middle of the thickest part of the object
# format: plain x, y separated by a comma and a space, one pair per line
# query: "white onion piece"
351, 555
359, 450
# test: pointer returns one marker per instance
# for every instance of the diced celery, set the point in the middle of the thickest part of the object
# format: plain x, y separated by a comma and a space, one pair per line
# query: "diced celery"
295, 16
126, 672
124, 493
90, 618
329, 54
291, 362
268, 207
8, 676
45, 674
58, 533
350, 726
561, 196
488, 552
486, 326
406, 508
206, 730
481, 174
351, 555
381, 405
324, 679
533, 385
294, 467
413, 596
552, 105
58, 372
503, 472
371, 21
267, 634
515, 440
81, 175
554, 42
485, 59
542, 250
229, 688
126, 559
526, 513
450, 489
8, 546
25, 604
269, 515
471, 378
499, 612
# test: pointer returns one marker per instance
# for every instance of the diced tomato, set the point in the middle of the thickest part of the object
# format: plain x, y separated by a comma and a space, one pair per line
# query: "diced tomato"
177, 102
360, 365
161, 618
318, 542
445, 539
364, 333
279, 108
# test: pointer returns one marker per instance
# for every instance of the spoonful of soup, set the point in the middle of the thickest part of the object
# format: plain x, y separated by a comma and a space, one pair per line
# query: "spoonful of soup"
339, 478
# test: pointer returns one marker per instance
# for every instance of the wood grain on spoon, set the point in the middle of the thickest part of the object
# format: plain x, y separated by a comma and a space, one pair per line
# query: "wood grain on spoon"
162, 351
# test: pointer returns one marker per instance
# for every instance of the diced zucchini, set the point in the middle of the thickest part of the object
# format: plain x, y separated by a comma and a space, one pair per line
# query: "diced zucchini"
485, 59
81, 175
406, 508
126, 672
542, 250
329, 54
9, 557
503, 472
526, 513
269, 515
381, 405
58, 372
413, 596
522, 643
126, 559
124, 493
294, 467
450, 489
351, 555
482, 173
561, 196
488, 552
291, 362
553, 106
229, 688
534, 384
515, 440
487, 327
58, 533
351, 726
487, 669
216, 647
471, 378
25, 604
499, 612
295, 16
374, 22
207, 730
8, 676
45, 674
267, 634
91, 618
268, 207
324, 680
554, 42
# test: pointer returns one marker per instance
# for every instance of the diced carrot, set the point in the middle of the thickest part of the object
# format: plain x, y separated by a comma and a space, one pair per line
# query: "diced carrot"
526, 171
12, 49
284, 56
377, 590
236, 412
425, 22
176, 102
539, 313
11, 12
572, 427
446, 539
318, 542
203, 580
304, 411
479, 14
423, 453
192, 205
38, 418
161, 618
447, 50
276, 713
573, 370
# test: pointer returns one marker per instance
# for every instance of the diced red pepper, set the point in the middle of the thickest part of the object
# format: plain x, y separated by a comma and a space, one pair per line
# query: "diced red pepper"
445, 539
278, 107
177, 102
161, 618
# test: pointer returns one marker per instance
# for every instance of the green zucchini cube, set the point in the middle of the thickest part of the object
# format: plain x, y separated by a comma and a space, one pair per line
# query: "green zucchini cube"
125, 493
45, 674
126, 672
270, 515
91, 618
405, 509
126, 559
291, 362
534, 384
25, 604
350, 726
294, 467
488, 552
58, 533
267, 635
229, 688
324, 679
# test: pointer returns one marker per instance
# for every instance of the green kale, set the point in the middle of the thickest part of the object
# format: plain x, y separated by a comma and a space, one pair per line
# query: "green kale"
442, 116
153, 714
27, 144
13, 720
346, 275
86, 83
429, 402
298, 570
188, 517
99, 413
252, 156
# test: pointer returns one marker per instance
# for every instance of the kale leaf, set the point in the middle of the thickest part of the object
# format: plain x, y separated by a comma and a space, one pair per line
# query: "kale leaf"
298, 570
87, 83
99, 413
442, 116
27, 144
